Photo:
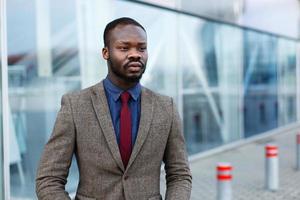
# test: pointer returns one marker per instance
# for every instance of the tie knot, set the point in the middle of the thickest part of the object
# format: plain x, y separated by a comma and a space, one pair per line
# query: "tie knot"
125, 97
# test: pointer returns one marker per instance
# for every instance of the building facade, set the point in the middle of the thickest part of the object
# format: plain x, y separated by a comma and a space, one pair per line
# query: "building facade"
230, 80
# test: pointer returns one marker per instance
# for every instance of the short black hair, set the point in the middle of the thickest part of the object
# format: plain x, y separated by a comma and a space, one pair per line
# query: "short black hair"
120, 21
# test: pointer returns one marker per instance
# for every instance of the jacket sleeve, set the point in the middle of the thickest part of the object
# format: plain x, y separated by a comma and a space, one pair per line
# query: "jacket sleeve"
178, 175
57, 156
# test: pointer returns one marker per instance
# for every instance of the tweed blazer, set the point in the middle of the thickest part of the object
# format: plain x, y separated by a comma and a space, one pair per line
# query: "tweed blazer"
84, 127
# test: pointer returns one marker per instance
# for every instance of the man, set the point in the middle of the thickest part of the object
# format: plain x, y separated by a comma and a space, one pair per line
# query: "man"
119, 131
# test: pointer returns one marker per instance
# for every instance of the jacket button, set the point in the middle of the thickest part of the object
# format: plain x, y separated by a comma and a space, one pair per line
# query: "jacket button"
126, 177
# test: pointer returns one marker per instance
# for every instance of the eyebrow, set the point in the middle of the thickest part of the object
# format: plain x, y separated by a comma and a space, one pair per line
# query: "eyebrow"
127, 43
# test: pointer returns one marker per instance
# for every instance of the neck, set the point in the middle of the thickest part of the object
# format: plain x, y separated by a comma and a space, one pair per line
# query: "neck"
124, 85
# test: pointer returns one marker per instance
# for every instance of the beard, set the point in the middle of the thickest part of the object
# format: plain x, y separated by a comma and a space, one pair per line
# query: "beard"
118, 73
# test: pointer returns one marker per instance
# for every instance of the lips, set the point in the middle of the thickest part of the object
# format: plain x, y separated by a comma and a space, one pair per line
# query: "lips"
134, 66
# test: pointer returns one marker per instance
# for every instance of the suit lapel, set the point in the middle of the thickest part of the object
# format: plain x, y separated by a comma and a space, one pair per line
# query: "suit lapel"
103, 114
145, 122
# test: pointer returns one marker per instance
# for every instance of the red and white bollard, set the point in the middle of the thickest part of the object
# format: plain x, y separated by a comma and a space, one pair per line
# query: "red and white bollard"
298, 152
224, 177
272, 173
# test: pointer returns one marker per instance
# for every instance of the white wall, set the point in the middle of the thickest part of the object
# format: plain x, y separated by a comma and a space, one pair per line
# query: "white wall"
277, 16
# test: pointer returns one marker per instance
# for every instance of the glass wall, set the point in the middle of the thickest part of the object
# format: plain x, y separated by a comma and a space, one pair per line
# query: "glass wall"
260, 83
43, 64
269, 82
229, 83
210, 62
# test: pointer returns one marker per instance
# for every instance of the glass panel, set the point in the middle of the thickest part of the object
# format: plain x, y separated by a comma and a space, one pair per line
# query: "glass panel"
210, 59
260, 83
43, 64
287, 88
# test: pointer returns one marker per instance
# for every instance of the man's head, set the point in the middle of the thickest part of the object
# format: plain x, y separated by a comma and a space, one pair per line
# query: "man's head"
125, 49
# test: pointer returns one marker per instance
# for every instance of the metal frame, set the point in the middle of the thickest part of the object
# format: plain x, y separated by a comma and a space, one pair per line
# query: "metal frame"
298, 82
1, 136
179, 69
5, 101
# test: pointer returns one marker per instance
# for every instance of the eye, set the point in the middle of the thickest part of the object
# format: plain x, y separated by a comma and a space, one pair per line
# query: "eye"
143, 48
123, 48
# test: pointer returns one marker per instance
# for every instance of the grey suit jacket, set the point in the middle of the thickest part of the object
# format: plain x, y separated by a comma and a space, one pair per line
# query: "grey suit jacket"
84, 127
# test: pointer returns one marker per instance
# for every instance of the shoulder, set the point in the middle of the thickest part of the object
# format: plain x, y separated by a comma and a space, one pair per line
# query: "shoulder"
83, 94
163, 101
157, 96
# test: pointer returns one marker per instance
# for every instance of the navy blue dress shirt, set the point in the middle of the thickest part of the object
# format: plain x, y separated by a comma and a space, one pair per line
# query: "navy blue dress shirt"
113, 94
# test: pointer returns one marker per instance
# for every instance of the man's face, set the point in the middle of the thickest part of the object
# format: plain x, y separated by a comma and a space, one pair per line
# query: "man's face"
126, 53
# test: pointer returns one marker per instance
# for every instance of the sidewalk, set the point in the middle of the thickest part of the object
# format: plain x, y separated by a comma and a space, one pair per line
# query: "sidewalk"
248, 171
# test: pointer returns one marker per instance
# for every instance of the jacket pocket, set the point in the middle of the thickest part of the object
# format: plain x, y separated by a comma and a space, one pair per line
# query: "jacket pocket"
156, 197
82, 197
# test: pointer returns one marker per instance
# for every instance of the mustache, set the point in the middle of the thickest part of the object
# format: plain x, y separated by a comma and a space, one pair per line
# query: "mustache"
129, 62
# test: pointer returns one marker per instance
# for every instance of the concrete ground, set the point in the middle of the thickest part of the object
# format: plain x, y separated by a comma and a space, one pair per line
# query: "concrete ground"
248, 163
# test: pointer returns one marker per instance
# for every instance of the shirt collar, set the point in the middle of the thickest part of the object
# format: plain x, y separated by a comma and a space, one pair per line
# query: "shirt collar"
115, 91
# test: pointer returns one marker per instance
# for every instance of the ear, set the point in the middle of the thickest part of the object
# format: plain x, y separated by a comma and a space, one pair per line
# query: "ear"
105, 53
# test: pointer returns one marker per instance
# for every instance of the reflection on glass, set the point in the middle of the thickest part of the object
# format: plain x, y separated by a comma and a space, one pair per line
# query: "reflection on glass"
269, 82
200, 126
43, 64
287, 88
260, 83
210, 60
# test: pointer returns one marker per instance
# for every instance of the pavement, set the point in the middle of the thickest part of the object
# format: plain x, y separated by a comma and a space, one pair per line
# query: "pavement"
248, 163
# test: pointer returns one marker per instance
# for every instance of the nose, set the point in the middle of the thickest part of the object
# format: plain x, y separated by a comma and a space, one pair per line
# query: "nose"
134, 55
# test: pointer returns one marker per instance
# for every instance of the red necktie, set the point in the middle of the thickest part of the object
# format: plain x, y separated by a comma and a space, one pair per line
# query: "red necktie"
125, 129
